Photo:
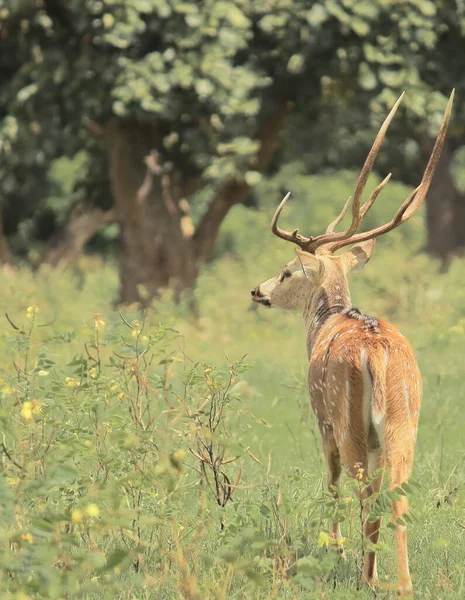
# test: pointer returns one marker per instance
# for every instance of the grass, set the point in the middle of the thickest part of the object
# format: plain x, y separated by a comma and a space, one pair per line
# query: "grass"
105, 418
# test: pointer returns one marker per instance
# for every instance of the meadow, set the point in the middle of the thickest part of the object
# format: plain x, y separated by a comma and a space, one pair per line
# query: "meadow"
164, 455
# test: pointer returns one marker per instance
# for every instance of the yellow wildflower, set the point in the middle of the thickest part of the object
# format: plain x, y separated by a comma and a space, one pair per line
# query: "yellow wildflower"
93, 372
71, 382
7, 390
99, 324
13, 481
32, 310
135, 333
92, 510
323, 539
341, 541
26, 411
27, 537
36, 406
348, 500
179, 454
121, 396
76, 516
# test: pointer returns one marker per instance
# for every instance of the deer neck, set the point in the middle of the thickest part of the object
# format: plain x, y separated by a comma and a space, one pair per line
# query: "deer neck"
327, 300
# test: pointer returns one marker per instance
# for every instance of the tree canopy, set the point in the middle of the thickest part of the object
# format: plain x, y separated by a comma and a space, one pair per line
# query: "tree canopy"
158, 99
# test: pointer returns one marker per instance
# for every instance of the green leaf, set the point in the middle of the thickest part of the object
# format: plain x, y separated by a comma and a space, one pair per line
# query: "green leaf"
323, 539
108, 20
317, 15
236, 17
296, 64
408, 488
27, 92
360, 26
114, 559
252, 177
42, 524
62, 474
366, 77
204, 88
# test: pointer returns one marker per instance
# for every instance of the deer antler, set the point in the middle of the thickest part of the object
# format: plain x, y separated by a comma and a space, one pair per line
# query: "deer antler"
334, 240
414, 201
295, 236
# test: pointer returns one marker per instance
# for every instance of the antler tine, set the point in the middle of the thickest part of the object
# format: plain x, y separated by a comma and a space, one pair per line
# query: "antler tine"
433, 159
295, 236
332, 226
359, 212
367, 167
374, 194
412, 203
365, 207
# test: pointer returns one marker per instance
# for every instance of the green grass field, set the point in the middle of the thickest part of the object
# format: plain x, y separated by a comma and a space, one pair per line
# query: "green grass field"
105, 419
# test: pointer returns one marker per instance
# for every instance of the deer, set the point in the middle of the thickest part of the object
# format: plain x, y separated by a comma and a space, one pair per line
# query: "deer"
364, 381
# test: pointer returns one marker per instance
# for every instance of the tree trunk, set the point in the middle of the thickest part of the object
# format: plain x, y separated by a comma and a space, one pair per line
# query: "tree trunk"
155, 250
6, 257
445, 210
82, 224
159, 247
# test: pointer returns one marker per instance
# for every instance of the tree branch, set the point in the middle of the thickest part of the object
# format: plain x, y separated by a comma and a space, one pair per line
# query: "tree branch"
81, 226
232, 192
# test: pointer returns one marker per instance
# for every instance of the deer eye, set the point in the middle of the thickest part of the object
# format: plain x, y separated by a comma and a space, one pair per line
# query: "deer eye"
285, 275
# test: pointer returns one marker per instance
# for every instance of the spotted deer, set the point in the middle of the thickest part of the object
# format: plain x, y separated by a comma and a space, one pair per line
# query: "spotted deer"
364, 381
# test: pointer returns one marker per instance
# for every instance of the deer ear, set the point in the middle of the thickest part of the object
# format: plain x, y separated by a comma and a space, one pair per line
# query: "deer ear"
358, 256
309, 261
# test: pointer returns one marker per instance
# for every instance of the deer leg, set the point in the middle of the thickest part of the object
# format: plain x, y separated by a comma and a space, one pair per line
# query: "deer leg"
333, 462
371, 529
399, 473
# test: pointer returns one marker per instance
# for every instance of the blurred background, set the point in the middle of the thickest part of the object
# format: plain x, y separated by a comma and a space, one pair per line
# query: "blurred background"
131, 130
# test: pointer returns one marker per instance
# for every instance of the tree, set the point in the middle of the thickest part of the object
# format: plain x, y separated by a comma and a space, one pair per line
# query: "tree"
168, 98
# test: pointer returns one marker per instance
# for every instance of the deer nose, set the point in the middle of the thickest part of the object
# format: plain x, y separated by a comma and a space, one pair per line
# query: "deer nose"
255, 292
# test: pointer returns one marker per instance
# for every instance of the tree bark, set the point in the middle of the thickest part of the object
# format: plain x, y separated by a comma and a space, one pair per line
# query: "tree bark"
82, 224
445, 210
155, 251
6, 257
159, 246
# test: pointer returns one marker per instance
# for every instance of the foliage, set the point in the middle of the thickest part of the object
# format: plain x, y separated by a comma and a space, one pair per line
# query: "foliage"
205, 74
100, 494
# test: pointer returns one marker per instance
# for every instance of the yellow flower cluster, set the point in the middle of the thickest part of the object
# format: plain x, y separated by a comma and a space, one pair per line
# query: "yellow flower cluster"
31, 311
71, 382
179, 454
30, 408
6, 389
98, 323
78, 515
